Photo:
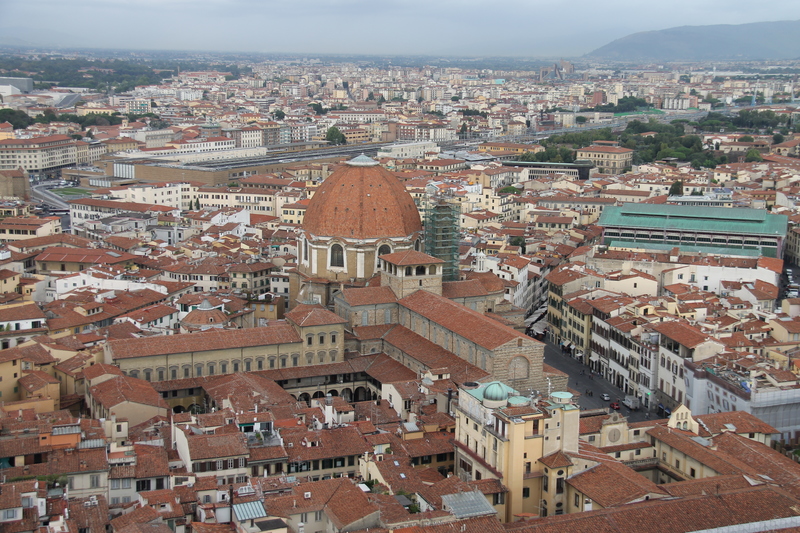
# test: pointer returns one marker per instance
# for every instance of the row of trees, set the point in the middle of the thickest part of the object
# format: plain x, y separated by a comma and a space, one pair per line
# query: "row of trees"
746, 119
116, 74
626, 104
667, 141
20, 120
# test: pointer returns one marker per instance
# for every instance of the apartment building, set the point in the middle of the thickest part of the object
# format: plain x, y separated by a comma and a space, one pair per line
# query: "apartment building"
22, 228
39, 154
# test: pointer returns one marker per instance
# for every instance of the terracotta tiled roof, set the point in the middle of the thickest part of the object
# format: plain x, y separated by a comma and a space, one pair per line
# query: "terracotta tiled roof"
276, 333
611, 483
362, 202
463, 289
313, 315
410, 258
682, 333
121, 389
216, 446
462, 321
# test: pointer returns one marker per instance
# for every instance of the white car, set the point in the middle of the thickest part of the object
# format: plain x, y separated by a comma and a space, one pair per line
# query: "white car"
605, 397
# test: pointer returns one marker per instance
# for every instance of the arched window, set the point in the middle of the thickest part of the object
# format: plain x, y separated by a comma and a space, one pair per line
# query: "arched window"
408, 271
420, 270
384, 249
519, 368
337, 255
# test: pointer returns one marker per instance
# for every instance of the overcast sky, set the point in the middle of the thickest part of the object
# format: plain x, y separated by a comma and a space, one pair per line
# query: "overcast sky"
537, 28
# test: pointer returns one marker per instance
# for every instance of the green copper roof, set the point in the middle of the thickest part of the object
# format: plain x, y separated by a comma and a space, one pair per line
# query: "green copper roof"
722, 220
689, 248
494, 387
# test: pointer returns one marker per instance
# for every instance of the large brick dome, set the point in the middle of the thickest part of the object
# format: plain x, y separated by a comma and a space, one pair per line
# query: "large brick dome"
361, 200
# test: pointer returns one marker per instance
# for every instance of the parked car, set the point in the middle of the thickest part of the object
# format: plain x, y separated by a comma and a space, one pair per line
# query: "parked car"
605, 397
614, 405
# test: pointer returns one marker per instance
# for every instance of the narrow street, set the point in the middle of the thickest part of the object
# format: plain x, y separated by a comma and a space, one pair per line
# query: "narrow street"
582, 383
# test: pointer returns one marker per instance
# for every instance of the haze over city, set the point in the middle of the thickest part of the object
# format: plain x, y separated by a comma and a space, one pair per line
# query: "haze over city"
471, 27
399, 267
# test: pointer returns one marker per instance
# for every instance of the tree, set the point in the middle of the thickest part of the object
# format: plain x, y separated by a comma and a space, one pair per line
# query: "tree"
746, 139
454, 98
509, 190
18, 119
318, 109
752, 156
580, 119
334, 136
518, 241
777, 138
676, 189
370, 96
197, 204
280, 115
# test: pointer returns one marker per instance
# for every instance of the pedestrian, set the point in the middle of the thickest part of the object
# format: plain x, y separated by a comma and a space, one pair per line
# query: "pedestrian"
647, 416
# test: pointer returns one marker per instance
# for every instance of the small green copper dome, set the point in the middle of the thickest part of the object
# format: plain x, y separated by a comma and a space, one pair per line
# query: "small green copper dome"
495, 392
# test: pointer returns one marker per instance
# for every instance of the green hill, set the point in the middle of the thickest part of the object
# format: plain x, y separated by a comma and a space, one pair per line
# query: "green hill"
722, 42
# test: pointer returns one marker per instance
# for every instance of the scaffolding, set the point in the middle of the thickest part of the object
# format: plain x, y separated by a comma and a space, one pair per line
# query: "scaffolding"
442, 235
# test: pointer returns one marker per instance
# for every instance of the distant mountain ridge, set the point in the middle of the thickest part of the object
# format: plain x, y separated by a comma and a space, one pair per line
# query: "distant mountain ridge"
720, 42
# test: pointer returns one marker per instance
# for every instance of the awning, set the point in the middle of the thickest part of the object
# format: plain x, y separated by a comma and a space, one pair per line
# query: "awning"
594, 356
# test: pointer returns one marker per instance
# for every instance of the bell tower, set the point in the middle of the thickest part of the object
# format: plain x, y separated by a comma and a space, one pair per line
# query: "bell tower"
409, 271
